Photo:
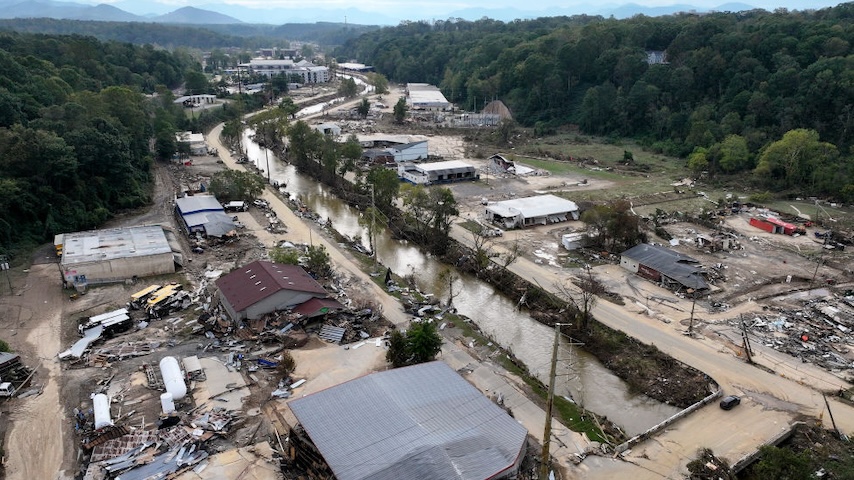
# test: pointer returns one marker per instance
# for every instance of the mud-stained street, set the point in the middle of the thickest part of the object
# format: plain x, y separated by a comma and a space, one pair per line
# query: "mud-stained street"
34, 445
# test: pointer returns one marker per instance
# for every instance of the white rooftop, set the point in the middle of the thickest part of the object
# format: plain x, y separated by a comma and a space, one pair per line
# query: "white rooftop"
532, 207
447, 165
113, 243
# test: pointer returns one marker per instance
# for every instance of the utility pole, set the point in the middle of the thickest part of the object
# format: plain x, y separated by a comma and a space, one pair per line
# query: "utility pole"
832, 421
545, 460
372, 234
748, 351
267, 156
693, 304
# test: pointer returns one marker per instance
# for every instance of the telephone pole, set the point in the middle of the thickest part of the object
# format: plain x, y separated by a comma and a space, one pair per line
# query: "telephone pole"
545, 460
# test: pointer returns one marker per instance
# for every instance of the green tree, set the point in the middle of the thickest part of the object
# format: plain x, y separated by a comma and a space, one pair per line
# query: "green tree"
348, 88
397, 354
364, 108
792, 160
351, 152
196, 82
379, 82
386, 186
506, 129
233, 185
4, 347
400, 109
733, 153
318, 261
782, 464
698, 161
285, 256
423, 342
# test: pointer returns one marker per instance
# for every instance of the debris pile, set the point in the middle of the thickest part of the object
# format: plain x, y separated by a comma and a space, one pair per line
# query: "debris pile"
820, 332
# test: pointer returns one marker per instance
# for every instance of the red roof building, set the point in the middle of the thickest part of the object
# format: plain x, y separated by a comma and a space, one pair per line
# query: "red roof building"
260, 287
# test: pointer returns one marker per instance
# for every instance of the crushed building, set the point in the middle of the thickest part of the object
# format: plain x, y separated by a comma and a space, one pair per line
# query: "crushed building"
667, 267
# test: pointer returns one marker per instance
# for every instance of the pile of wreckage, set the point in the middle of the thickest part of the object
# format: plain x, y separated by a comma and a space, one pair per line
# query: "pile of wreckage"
155, 301
195, 412
820, 333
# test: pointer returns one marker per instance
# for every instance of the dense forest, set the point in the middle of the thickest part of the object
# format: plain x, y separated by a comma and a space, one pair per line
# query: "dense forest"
770, 93
76, 120
243, 36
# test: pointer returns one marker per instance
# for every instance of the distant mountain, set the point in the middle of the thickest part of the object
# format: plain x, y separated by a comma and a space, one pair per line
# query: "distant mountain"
106, 13
195, 16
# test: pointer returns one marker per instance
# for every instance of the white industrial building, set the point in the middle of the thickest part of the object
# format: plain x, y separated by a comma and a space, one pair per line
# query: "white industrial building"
423, 96
309, 72
115, 255
436, 172
195, 141
528, 211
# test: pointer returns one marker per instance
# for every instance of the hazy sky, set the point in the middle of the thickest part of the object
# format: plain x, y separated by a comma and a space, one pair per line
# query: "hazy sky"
425, 9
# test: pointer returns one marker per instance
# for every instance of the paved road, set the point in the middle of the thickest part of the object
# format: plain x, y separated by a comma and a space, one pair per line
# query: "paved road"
771, 402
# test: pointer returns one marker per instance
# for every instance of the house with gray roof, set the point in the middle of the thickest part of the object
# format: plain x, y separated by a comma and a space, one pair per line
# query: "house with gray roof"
420, 422
662, 265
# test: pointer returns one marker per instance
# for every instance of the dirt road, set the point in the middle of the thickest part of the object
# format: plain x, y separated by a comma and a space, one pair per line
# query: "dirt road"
35, 443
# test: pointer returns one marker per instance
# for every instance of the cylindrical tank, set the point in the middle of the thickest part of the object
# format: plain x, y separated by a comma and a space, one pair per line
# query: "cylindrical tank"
166, 403
173, 379
101, 406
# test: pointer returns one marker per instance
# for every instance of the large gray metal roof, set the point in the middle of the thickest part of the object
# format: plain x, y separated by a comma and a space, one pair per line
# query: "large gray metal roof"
114, 243
421, 422
681, 268
198, 203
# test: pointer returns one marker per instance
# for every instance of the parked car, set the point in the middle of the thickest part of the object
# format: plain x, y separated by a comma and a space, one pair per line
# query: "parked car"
730, 401
260, 203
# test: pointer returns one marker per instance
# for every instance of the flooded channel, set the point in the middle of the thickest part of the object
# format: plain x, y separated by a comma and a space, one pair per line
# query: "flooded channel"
580, 375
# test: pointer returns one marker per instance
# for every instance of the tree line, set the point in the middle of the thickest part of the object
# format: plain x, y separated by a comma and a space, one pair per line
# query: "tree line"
76, 118
723, 86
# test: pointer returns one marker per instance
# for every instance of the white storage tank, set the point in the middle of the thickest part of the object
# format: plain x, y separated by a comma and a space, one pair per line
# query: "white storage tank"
101, 406
166, 403
173, 379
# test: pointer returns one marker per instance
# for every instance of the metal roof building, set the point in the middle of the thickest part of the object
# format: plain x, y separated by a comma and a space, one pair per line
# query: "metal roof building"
420, 422
116, 254
538, 210
437, 172
260, 287
660, 264
423, 96
203, 213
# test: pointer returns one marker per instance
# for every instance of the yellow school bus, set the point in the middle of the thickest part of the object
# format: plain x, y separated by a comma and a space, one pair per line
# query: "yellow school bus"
162, 294
136, 297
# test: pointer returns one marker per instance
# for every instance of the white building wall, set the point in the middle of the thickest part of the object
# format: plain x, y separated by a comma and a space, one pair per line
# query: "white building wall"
121, 269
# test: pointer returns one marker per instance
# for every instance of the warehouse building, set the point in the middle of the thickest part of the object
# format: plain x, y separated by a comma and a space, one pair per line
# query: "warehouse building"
529, 211
423, 96
115, 255
424, 421
437, 172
